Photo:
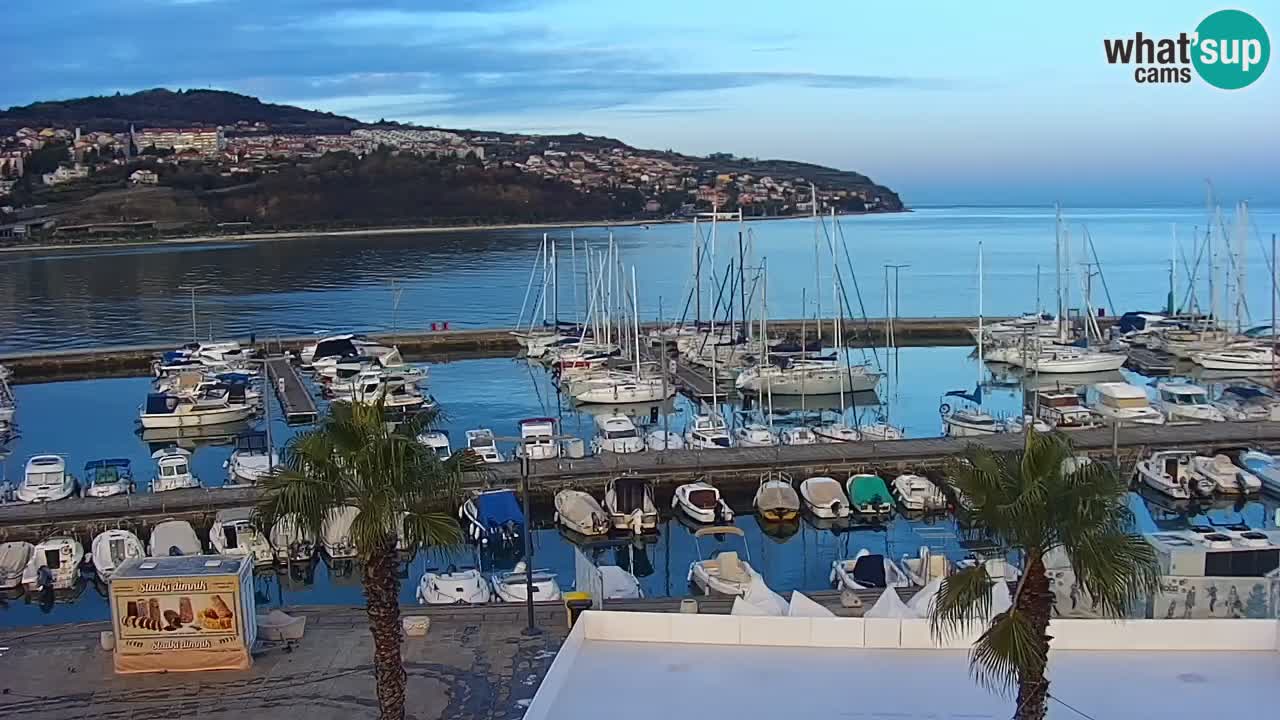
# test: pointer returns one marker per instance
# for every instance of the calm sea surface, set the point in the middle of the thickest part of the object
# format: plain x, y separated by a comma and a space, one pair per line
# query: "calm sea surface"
90, 419
52, 300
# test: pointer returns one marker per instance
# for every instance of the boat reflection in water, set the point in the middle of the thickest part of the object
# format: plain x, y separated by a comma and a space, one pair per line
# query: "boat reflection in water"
190, 438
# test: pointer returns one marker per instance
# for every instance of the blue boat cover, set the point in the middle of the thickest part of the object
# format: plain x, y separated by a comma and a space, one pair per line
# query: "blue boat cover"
1244, 391
108, 463
161, 404
233, 378
175, 356
495, 509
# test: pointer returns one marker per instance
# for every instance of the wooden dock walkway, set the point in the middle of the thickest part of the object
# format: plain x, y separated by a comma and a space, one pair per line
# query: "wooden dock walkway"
1151, 362
730, 468
295, 400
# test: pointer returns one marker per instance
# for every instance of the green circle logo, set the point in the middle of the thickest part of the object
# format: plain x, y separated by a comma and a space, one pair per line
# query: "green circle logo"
1232, 49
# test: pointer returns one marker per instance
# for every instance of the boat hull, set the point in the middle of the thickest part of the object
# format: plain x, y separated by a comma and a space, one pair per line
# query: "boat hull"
199, 418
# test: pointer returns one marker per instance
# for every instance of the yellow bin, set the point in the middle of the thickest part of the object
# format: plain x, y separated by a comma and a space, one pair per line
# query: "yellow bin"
574, 604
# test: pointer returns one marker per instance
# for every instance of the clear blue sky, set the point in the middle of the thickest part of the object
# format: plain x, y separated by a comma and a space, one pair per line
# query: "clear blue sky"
988, 102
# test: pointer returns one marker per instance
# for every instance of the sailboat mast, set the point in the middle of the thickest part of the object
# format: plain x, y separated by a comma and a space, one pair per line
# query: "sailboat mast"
1173, 269
715, 214
635, 316
1057, 265
981, 354
697, 273
836, 324
817, 260
555, 285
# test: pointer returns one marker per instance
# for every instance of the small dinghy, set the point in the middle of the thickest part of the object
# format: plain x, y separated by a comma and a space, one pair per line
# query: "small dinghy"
867, 570
917, 494
513, 586
578, 511
925, 567
335, 533
701, 501
174, 537
776, 500
233, 533
453, 586
723, 573
493, 517
1227, 477
869, 496
54, 562
629, 503
110, 548
14, 557
292, 542
824, 498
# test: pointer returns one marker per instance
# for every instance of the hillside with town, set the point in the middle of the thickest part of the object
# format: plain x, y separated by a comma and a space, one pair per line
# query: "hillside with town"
162, 163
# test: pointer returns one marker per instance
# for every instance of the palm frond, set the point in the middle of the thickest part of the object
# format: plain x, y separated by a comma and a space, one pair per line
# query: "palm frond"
1010, 649
963, 601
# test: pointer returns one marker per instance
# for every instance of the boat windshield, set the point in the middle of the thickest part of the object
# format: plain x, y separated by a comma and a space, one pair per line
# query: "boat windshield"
1133, 403
704, 499
44, 478
106, 476
480, 443
619, 434
174, 469
1177, 398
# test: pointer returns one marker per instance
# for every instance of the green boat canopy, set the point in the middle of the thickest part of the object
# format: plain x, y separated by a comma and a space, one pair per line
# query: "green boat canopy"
868, 492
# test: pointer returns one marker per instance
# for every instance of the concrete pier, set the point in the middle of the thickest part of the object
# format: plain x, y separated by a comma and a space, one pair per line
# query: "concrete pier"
298, 404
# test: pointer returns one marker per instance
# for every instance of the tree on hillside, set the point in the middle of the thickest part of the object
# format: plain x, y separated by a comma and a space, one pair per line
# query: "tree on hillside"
1034, 502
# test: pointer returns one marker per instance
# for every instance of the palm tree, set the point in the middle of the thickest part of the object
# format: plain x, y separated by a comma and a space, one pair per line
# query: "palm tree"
404, 496
1038, 501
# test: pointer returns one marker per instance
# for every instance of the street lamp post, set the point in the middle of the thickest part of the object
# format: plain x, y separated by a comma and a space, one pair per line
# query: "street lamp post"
525, 462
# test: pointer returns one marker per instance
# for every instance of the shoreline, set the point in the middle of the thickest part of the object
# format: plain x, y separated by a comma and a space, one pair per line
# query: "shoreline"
387, 231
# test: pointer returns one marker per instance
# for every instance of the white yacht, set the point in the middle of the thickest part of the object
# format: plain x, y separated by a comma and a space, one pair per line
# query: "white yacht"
1169, 472
514, 587
1228, 478
616, 434
664, 440
880, 431
537, 439
629, 504
46, 479
233, 533
754, 435
1062, 410
969, 422
917, 493
173, 470
629, 389
55, 562
251, 461
824, 497
335, 533
14, 557
1248, 403
1243, 360
172, 411
836, 432
480, 441
112, 547
1063, 359
707, 432
438, 442
104, 478
806, 377
172, 538
701, 501
1182, 401
1118, 401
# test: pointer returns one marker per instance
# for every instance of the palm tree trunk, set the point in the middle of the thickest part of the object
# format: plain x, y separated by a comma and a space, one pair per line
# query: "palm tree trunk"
1035, 602
382, 601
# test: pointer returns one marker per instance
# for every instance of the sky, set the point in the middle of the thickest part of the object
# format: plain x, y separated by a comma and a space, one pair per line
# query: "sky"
946, 102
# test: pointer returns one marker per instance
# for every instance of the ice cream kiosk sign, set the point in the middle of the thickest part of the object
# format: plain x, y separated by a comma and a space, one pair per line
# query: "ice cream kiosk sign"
179, 614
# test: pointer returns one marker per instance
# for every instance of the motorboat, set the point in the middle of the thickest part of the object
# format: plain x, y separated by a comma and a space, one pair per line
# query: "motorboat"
1062, 409
173, 538
335, 533
45, 479
1248, 403
1122, 402
1181, 401
925, 567
1169, 472
776, 499
969, 422
1264, 467
754, 435
537, 439
112, 547
1245, 360
824, 497
104, 478
616, 434
292, 541
1183, 342
164, 410
481, 442
619, 584
578, 511
629, 390
251, 461
807, 376
917, 493
493, 517
14, 557
867, 571
836, 432
797, 436
454, 586
723, 573
438, 442
707, 432
701, 502
664, 440
1228, 478
629, 504
173, 470
54, 563
869, 496
880, 432
513, 586
233, 533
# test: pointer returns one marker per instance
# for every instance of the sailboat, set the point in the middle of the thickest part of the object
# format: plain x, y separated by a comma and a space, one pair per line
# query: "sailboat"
838, 430
971, 421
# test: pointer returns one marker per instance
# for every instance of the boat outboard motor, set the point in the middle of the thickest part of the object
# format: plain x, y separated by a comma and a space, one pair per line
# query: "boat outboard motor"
175, 551
44, 578
835, 508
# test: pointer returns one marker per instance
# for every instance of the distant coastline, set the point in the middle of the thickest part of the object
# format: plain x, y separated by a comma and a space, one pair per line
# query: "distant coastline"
281, 235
